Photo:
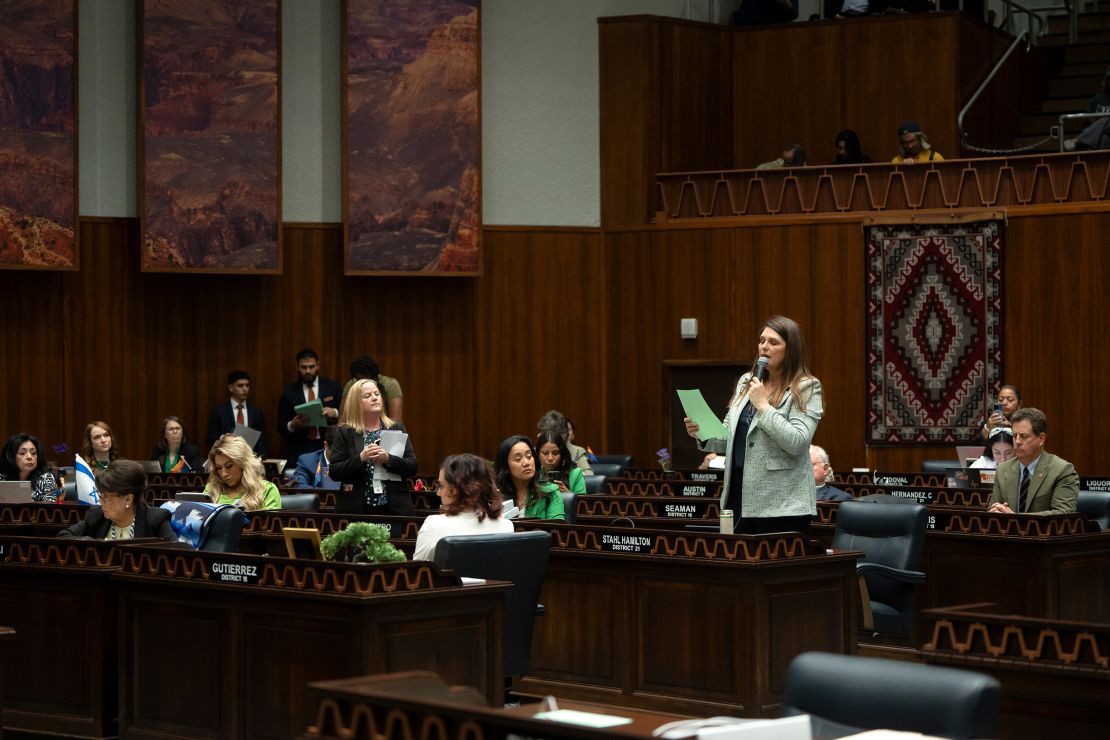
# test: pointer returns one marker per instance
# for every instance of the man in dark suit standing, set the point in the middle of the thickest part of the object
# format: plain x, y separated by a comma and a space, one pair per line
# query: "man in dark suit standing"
1034, 481
238, 412
300, 438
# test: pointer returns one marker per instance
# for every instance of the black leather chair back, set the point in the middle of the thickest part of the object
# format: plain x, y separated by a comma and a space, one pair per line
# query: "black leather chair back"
625, 461
223, 530
595, 483
892, 536
300, 501
607, 469
569, 504
1095, 505
845, 694
519, 557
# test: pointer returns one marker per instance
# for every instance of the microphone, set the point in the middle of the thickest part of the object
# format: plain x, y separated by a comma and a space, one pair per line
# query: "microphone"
761, 371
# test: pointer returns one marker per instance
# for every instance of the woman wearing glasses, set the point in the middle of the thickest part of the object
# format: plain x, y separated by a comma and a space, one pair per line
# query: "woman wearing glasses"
174, 452
122, 515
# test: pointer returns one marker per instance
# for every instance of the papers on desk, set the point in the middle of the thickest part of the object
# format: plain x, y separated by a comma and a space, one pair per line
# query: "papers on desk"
583, 719
394, 443
251, 435
727, 728
709, 426
314, 410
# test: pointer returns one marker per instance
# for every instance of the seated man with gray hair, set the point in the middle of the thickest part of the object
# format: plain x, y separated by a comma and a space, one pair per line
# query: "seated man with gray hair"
1034, 481
822, 474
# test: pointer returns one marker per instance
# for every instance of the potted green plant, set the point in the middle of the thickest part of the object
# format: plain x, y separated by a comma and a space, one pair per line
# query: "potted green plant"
361, 542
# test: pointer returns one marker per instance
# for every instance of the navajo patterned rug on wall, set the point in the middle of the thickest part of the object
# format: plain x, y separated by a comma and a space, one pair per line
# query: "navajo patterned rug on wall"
934, 329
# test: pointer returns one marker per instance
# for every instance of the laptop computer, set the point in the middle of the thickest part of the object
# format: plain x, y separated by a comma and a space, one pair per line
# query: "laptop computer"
198, 496
151, 466
968, 454
15, 492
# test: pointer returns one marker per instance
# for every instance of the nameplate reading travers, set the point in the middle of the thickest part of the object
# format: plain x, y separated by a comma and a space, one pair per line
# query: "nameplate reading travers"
233, 572
627, 543
707, 475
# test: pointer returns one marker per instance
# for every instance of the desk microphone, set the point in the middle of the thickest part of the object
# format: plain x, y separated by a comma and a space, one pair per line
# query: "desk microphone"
761, 371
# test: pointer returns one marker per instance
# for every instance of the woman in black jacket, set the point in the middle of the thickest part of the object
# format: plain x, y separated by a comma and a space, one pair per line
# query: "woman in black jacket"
373, 481
174, 452
122, 515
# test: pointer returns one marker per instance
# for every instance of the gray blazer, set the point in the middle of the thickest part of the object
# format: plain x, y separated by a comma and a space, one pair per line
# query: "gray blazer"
778, 476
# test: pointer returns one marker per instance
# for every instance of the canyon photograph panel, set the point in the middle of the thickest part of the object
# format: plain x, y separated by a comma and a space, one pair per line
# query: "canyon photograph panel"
211, 191
412, 131
38, 143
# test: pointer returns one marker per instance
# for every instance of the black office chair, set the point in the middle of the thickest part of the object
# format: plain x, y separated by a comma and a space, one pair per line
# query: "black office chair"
595, 483
569, 506
938, 466
1094, 505
891, 538
519, 557
625, 461
846, 694
607, 469
69, 491
300, 501
222, 531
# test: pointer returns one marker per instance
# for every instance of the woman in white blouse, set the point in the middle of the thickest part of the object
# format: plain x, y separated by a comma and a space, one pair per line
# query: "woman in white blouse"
469, 501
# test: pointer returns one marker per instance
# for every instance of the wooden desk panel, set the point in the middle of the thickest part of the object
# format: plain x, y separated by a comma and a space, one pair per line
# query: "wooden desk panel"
694, 623
259, 642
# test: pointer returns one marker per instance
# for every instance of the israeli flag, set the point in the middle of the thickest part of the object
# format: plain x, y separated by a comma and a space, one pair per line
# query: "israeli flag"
86, 483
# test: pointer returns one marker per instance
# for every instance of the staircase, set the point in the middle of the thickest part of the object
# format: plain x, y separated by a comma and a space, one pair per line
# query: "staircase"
1078, 76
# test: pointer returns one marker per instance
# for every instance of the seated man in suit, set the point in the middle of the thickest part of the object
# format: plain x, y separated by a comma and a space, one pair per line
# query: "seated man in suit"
312, 467
822, 474
299, 438
1034, 481
237, 412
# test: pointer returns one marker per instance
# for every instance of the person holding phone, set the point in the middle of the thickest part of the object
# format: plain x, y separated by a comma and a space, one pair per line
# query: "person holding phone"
358, 454
556, 464
1007, 402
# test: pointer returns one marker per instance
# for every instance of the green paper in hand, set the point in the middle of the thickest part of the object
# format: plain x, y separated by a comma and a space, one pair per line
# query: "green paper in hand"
709, 426
314, 410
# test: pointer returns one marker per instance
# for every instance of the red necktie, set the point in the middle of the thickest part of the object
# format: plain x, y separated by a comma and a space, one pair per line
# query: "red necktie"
313, 432
239, 415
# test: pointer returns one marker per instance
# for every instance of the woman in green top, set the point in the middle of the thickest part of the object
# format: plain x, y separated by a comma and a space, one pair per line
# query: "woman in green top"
518, 480
235, 474
557, 466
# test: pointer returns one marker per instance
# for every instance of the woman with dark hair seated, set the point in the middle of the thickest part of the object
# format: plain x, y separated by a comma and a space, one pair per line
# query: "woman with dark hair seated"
174, 452
470, 504
1000, 448
122, 515
518, 480
557, 466
23, 459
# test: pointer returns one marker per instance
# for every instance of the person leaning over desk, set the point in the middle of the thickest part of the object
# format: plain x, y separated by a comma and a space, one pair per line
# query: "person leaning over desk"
236, 476
122, 515
769, 483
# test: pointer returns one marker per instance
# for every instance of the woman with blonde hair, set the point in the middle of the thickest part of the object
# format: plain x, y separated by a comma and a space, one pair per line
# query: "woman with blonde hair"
236, 476
373, 481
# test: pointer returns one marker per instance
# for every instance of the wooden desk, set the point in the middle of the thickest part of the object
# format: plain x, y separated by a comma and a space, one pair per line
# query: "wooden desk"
246, 649
418, 705
1055, 675
691, 623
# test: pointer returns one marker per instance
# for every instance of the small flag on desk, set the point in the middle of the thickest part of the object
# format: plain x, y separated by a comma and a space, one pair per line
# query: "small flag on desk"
86, 483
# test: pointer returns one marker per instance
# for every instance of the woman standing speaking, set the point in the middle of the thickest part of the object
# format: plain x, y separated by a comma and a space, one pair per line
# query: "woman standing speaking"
771, 420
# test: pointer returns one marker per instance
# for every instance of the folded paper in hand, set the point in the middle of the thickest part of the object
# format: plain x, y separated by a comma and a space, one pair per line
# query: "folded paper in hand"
314, 410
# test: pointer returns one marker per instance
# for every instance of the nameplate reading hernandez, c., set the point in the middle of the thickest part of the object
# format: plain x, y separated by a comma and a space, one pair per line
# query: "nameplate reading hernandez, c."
628, 543
232, 572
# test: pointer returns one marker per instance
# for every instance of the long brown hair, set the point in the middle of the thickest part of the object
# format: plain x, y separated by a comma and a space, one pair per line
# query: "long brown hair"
113, 453
794, 371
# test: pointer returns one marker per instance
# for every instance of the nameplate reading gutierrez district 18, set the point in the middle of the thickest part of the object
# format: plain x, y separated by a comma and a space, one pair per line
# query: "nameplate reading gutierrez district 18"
627, 543
232, 572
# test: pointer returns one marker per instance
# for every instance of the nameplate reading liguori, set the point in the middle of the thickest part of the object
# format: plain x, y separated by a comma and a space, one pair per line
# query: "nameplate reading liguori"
627, 543
1094, 484
234, 572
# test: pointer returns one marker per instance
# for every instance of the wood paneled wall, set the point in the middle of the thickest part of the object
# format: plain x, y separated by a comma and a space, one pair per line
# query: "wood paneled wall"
574, 319
799, 82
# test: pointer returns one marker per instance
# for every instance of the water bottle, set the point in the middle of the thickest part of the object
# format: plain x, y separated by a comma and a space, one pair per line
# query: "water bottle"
726, 521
